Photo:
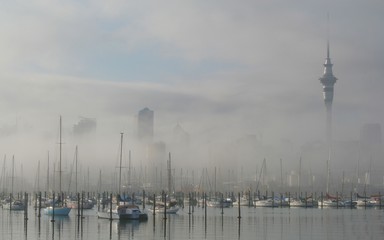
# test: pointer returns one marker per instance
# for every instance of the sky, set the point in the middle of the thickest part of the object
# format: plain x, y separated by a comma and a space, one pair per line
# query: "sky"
222, 69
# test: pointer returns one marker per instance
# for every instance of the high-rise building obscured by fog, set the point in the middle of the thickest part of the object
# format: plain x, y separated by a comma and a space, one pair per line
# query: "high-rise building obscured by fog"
84, 126
145, 124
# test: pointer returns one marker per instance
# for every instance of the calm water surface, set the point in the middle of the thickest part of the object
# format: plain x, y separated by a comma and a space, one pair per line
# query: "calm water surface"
255, 223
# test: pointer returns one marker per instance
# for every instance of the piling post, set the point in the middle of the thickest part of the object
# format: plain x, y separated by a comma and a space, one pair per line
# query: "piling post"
165, 213
222, 204
53, 208
205, 209
165, 207
82, 203
78, 204
103, 196
198, 197
365, 200
36, 197
98, 202
39, 212
193, 203
249, 198
10, 201
337, 200
238, 203
25, 206
110, 208
143, 199
322, 199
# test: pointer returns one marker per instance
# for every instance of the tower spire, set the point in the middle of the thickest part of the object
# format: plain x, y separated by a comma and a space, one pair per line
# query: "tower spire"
328, 81
328, 36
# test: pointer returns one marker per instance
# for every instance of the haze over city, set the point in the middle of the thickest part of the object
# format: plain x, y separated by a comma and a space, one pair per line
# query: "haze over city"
223, 70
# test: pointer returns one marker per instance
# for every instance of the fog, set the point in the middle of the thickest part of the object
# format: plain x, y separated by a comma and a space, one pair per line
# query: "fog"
240, 79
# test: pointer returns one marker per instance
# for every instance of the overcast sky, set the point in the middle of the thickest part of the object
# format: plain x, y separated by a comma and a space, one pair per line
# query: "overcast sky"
222, 69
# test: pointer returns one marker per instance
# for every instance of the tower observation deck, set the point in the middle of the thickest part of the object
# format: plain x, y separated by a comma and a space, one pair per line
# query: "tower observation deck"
328, 81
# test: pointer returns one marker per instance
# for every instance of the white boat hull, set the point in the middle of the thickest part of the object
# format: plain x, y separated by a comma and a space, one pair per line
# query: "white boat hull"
172, 210
124, 212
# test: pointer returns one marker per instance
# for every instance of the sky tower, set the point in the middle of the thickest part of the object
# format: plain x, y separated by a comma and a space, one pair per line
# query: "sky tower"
328, 81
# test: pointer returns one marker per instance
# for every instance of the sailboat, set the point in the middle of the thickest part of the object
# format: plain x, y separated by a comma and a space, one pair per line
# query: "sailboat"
14, 204
123, 211
60, 209
77, 201
301, 201
166, 204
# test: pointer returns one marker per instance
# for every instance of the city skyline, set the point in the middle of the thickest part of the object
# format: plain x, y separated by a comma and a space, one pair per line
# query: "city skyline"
224, 71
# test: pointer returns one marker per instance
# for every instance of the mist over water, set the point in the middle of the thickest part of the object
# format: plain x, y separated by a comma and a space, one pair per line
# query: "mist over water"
242, 81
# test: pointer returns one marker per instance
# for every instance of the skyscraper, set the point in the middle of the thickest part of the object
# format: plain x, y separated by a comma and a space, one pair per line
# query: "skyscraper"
145, 121
84, 126
328, 81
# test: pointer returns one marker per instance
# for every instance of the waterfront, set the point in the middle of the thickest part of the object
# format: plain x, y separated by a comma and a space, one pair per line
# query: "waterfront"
255, 223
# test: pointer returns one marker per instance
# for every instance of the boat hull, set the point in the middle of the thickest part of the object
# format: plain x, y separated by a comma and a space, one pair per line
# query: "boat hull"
172, 210
57, 211
13, 207
331, 203
124, 212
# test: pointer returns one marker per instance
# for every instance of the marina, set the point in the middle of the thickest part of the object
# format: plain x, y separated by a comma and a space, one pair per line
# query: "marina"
199, 221
202, 223
197, 120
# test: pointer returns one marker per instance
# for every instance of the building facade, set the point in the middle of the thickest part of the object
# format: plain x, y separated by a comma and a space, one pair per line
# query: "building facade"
145, 122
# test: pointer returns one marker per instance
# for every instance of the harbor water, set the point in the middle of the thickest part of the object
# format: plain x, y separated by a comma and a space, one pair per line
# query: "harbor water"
254, 223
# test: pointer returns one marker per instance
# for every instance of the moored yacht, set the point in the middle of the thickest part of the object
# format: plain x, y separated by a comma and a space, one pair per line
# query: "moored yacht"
124, 212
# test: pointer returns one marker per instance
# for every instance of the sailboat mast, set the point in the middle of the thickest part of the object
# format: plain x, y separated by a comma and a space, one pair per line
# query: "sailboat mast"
99, 185
121, 160
264, 174
48, 173
299, 175
215, 181
38, 176
328, 170
281, 174
76, 169
342, 184
13, 173
60, 158
129, 170
169, 175
3, 177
